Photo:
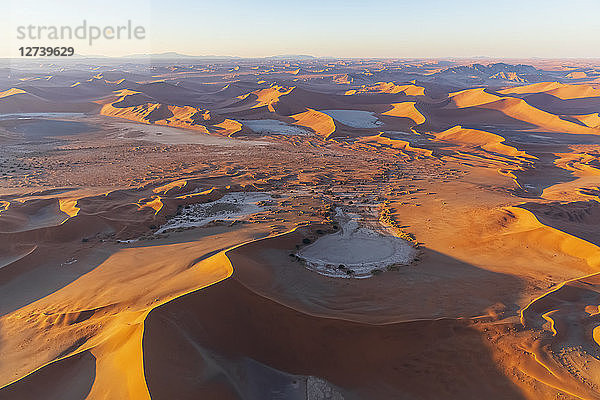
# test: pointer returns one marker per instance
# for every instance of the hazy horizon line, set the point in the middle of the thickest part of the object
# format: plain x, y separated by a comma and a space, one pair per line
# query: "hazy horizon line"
298, 56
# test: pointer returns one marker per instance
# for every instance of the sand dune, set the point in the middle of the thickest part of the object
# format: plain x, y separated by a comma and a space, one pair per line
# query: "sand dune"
264, 97
562, 91
472, 98
521, 110
318, 121
591, 120
406, 110
11, 92
486, 140
517, 108
401, 147
555, 315
169, 115
155, 258
391, 88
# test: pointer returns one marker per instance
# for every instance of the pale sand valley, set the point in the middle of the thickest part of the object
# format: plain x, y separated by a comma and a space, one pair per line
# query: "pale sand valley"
300, 228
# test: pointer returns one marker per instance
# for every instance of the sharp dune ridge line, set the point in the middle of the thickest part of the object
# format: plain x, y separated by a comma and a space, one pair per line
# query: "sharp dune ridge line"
518, 109
391, 88
406, 110
11, 92
562, 91
486, 140
319, 122
173, 229
118, 368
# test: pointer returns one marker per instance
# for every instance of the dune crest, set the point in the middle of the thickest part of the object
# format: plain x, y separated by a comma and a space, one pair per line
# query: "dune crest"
187, 117
69, 207
11, 92
266, 97
521, 110
406, 110
562, 91
389, 88
486, 140
402, 147
319, 122
591, 120
471, 98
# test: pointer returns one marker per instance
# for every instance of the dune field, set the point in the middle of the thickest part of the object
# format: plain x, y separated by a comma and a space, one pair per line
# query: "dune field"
300, 229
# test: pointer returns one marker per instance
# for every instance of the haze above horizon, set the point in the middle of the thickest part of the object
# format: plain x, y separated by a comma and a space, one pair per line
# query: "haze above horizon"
378, 29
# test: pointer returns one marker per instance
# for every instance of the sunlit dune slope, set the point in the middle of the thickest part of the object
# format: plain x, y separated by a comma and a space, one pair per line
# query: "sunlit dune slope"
518, 109
390, 88
139, 107
591, 120
560, 90
319, 122
472, 98
406, 110
486, 140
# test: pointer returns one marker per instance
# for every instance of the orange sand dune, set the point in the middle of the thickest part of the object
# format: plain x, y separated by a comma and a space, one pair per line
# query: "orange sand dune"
112, 290
403, 146
583, 164
168, 115
171, 187
533, 88
591, 120
561, 90
319, 122
577, 75
175, 116
35, 214
115, 316
264, 97
584, 170
486, 140
69, 207
228, 127
11, 92
100, 311
566, 321
390, 88
547, 237
471, 98
518, 109
406, 110
521, 110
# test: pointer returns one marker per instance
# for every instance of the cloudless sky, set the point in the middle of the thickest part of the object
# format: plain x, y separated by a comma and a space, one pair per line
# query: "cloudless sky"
339, 28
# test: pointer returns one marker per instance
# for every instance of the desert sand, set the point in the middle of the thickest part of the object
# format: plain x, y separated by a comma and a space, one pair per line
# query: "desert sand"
300, 229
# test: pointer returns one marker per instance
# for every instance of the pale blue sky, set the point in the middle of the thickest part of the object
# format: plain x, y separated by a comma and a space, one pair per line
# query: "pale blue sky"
349, 28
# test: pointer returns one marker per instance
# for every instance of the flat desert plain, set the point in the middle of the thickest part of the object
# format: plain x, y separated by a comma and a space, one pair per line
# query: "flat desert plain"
300, 229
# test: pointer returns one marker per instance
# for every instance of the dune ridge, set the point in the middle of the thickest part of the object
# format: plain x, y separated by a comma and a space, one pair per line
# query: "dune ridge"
410, 89
406, 110
319, 122
186, 117
562, 91
486, 140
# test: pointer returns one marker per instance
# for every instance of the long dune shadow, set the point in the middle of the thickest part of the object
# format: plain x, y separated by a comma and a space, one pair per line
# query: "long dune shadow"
191, 345
68, 379
34, 277
199, 345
